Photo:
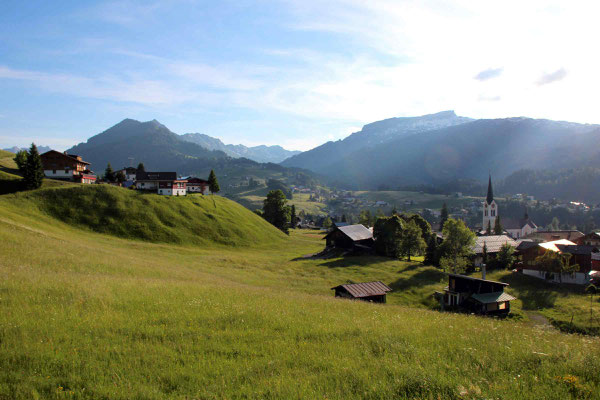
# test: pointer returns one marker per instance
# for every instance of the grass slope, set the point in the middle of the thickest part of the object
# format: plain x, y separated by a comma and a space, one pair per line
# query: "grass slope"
193, 219
84, 315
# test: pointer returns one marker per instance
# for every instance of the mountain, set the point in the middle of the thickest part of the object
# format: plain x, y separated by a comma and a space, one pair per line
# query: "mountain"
464, 150
15, 149
371, 135
273, 154
130, 142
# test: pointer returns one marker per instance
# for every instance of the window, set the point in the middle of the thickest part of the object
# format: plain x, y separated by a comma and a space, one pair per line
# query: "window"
502, 306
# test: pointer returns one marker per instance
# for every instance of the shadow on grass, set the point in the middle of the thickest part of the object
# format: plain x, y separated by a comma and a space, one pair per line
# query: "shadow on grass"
429, 276
353, 261
535, 293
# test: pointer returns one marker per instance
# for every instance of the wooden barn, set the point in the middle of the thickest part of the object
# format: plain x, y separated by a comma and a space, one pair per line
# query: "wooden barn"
476, 295
350, 237
369, 291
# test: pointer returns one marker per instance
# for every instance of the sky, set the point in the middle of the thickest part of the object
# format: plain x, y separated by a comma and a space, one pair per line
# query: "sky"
287, 72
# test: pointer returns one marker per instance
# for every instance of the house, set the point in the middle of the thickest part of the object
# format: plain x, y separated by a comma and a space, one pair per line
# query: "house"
518, 228
591, 239
547, 236
197, 185
350, 237
129, 173
368, 291
65, 166
587, 257
165, 183
476, 295
493, 245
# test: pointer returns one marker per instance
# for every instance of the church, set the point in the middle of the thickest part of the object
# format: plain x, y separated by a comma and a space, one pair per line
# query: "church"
515, 228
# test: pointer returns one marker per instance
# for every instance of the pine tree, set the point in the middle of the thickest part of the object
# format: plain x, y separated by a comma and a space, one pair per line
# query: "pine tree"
444, 216
213, 183
432, 251
498, 226
293, 217
488, 231
141, 167
120, 177
484, 255
109, 174
33, 173
275, 209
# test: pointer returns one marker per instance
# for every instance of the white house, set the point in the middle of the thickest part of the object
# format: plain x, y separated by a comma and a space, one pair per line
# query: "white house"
165, 183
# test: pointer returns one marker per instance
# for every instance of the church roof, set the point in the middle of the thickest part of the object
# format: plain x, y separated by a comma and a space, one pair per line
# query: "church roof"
490, 192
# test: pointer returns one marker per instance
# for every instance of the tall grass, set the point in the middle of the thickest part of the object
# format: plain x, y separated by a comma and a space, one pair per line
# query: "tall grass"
88, 315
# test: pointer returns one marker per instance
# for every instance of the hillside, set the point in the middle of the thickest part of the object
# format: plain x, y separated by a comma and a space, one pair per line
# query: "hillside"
467, 150
262, 154
194, 219
113, 318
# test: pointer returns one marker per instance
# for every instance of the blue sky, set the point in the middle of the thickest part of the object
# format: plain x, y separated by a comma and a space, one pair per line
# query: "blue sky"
295, 73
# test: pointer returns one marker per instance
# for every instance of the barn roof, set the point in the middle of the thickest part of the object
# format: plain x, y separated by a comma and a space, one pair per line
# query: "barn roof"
356, 232
155, 176
553, 245
476, 279
365, 289
577, 250
494, 297
493, 243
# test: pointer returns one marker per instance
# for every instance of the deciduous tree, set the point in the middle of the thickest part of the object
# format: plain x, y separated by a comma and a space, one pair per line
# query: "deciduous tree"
412, 242
276, 211
457, 246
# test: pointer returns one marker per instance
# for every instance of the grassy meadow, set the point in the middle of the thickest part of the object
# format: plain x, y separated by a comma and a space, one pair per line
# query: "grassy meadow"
89, 312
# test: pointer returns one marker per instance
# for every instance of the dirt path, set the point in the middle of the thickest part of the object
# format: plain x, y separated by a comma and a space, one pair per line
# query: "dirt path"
539, 320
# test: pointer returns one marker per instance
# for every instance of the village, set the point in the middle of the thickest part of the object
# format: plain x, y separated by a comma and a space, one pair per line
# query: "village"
466, 252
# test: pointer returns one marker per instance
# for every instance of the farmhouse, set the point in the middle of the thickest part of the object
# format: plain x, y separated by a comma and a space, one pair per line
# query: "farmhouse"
518, 228
65, 166
350, 237
591, 239
368, 291
546, 236
197, 185
476, 295
585, 256
129, 172
165, 183
493, 244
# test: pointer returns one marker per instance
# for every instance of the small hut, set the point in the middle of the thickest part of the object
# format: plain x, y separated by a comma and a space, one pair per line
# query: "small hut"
350, 237
368, 291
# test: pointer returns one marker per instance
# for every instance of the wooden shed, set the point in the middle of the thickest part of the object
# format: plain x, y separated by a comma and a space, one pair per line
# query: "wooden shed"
367, 291
349, 237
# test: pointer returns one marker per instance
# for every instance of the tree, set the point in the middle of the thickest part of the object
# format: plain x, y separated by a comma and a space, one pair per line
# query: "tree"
432, 251
498, 226
344, 218
141, 167
387, 233
275, 210
488, 231
21, 160
120, 177
365, 218
33, 173
109, 174
327, 223
457, 246
213, 183
444, 216
484, 254
412, 242
293, 217
421, 223
552, 261
505, 258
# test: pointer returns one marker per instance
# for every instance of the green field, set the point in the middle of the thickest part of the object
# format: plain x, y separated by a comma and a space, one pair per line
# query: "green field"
253, 200
87, 314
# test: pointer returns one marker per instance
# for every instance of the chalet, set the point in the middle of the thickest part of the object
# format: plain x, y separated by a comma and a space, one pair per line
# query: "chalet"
65, 166
587, 257
130, 173
476, 295
547, 236
493, 244
165, 183
368, 291
350, 237
591, 239
197, 185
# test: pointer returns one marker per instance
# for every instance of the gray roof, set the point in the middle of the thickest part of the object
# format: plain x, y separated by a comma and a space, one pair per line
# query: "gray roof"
577, 250
366, 289
493, 243
513, 223
155, 176
476, 279
356, 232
495, 297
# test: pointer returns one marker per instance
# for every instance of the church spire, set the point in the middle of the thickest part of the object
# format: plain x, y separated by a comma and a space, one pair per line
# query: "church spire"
490, 193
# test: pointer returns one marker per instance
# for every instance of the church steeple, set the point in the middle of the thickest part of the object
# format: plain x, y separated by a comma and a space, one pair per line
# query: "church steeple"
490, 193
